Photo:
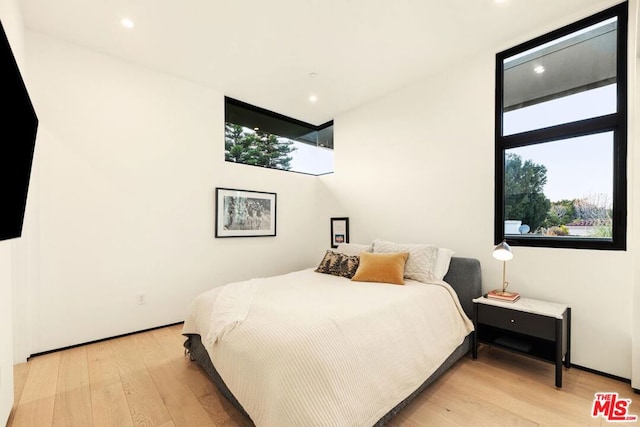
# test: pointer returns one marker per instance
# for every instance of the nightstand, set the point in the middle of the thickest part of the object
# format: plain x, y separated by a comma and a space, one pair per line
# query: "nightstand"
531, 327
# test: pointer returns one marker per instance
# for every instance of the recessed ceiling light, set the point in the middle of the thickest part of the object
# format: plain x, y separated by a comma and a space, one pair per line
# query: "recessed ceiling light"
539, 69
127, 23
313, 98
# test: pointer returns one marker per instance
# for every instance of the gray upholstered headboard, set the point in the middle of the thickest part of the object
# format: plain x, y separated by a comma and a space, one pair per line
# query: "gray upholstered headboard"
465, 276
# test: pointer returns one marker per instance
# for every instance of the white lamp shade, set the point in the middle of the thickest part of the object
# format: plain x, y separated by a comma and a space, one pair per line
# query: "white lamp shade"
502, 252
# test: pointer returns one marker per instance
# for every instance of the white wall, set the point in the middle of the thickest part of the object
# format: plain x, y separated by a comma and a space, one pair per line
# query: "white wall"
128, 160
417, 166
635, 378
6, 331
128, 163
634, 117
13, 27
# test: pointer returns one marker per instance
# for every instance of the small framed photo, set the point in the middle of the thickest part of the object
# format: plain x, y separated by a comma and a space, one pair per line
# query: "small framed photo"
339, 231
243, 213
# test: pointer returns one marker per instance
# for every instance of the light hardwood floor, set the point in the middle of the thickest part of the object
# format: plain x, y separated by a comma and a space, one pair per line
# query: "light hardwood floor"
146, 380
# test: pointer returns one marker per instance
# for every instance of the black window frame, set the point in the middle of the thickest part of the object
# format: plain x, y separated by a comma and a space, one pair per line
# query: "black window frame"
251, 116
616, 122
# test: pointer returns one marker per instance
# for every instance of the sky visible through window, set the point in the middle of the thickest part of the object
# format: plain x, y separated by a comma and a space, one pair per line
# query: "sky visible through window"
312, 160
576, 167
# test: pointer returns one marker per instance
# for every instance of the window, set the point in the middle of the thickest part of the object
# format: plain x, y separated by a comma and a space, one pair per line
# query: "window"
561, 137
259, 137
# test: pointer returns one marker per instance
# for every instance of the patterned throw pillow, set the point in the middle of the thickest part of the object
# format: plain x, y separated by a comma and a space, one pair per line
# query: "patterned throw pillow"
338, 264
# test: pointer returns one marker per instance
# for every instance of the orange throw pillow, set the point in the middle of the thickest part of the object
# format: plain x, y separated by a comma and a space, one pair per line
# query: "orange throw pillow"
381, 267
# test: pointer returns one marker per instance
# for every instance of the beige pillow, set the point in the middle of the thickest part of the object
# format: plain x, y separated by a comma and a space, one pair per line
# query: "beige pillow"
384, 268
422, 258
442, 263
352, 249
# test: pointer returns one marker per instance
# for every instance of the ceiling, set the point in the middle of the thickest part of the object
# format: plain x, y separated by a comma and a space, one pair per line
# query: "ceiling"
276, 53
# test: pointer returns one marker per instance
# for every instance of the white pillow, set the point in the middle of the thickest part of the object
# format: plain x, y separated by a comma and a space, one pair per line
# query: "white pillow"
352, 249
442, 263
421, 263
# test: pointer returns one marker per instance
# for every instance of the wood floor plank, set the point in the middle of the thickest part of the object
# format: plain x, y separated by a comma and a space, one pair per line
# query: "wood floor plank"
146, 380
150, 350
145, 403
424, 416
125, 354
182, 404
527, 394
73, 395
169, 344
540, 403
20, 374
110, 407
103, 370
197, 380
184, 407
445, 404
38, 396
215, 404
221, 412
177, 330
485, 409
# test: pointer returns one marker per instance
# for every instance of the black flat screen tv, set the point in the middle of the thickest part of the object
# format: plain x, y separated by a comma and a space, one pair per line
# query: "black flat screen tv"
18, 127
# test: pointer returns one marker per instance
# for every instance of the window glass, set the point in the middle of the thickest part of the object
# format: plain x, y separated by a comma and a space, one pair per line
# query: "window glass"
560, 188
590, 103
259, 137
561, 137
568, 79
312, 159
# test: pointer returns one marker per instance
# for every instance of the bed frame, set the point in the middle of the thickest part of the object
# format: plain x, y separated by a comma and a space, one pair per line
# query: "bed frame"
464, 276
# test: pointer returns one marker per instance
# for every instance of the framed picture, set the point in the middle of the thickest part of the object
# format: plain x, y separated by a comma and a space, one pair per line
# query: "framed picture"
339, 231
242, 213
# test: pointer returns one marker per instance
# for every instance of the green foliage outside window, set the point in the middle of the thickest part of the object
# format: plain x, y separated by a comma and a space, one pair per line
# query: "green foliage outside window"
524, 197
525, 201
257, 148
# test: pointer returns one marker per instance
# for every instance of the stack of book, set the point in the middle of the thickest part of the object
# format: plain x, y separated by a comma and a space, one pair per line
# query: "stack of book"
503, 296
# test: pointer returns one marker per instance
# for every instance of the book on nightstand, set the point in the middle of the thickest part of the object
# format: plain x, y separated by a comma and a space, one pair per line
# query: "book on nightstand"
503, 296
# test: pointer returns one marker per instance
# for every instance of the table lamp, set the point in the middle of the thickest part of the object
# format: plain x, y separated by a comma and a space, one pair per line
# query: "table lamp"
503, 253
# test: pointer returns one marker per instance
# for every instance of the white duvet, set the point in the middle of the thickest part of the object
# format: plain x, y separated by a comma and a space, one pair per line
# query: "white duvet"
311, 349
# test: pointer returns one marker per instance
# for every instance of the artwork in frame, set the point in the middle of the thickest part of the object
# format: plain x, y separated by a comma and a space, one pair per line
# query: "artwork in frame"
243, 213
339, 231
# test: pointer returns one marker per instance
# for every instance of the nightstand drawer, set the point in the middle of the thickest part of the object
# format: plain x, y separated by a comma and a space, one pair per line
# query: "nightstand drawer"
517, 321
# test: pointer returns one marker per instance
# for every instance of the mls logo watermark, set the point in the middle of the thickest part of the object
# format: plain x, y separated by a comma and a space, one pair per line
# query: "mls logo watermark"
612, 408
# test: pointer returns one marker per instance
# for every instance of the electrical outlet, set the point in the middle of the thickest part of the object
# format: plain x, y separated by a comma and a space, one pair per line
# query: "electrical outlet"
140, 298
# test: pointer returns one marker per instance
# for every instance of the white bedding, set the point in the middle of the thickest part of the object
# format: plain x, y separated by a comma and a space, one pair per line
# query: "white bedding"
311, 349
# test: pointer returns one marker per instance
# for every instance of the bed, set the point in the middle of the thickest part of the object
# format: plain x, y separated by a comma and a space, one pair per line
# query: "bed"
315, 349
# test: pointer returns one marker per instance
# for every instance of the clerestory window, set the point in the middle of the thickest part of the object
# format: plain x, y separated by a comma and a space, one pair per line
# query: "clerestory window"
561, 137
258, 137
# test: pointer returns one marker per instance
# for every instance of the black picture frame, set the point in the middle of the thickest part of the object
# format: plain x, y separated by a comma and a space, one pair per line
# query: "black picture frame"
339, 231
245, 213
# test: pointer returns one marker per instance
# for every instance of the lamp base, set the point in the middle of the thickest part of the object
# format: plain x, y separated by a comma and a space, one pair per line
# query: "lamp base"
502, 293
499, 294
